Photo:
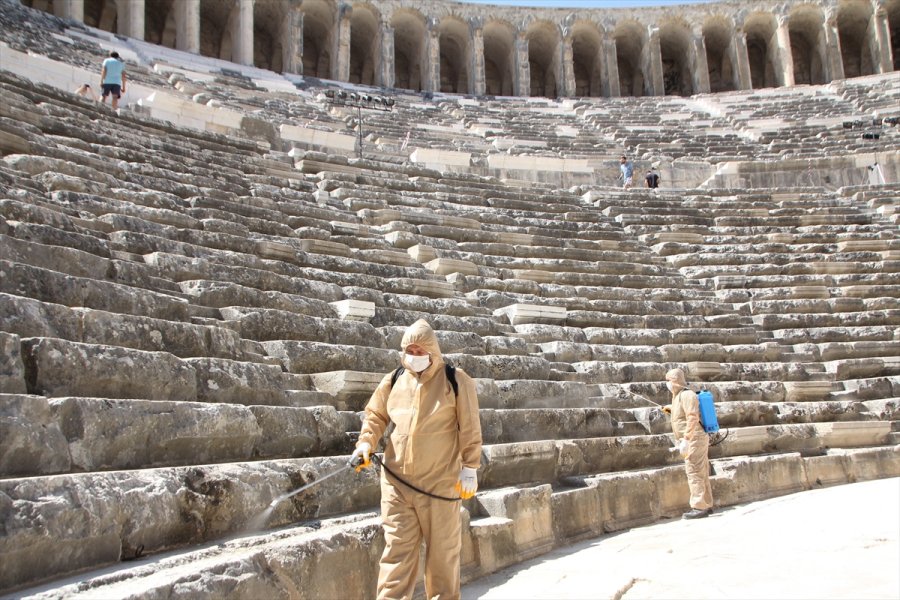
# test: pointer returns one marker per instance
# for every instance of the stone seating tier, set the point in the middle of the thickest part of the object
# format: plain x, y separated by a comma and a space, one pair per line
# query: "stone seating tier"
205, 488
190, 326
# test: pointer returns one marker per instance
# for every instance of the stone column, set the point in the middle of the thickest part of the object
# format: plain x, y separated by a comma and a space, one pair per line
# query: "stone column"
523, 69
834, 63
566, 85
699, 64
784, 63
130, 18
432, 75
69, 9
387, 56
477, 82
292, 41
187, 25
340, 63
242, 33
652, 65
741, 61
609, 68
880, 39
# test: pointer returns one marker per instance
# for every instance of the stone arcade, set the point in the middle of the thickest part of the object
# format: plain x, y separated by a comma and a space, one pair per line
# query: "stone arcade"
198, 293
439, 46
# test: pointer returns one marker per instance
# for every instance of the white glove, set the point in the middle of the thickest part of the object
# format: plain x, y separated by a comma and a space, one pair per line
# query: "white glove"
683, 447
360, 456
468, 482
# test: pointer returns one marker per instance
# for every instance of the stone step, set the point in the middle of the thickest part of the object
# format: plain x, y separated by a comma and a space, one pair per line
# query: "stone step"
57, 368
528, 290
501, 527
792, 268
84, 434
82, 264
667, 353
710, 259
30, 318
820, 305
794, 320
799, 292
209, 492
604, 320
598, 371
59, 288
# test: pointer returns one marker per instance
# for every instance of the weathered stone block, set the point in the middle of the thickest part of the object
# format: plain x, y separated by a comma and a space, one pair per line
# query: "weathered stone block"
350, 389
133, 434
315, 357
745, 479
12, 369
847, 434
354, 310
61, 368
294, 432
804, 391
506, 464
236, 382
529, 511
31, 442
501, 367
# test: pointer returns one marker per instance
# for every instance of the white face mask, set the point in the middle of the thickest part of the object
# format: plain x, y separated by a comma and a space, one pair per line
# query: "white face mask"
669, 386
417, 363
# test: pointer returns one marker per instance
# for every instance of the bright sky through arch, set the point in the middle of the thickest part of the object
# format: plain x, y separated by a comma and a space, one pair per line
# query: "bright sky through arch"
586, 3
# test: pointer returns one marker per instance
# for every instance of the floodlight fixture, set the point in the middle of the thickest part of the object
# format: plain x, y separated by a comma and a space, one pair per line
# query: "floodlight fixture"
360, 101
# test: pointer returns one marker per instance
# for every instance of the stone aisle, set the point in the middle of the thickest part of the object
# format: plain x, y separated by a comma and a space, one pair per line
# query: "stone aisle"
817, 544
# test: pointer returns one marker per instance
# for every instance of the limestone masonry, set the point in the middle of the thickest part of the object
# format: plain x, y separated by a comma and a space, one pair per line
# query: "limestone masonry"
200, 291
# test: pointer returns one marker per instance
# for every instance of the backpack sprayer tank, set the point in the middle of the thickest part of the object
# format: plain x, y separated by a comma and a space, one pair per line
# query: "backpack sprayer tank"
708, 412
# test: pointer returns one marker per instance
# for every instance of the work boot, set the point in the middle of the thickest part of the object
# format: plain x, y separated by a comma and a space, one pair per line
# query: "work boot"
697, 513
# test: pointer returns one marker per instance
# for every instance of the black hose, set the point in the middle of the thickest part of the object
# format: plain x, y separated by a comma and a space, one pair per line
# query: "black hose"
719, 438
377, 459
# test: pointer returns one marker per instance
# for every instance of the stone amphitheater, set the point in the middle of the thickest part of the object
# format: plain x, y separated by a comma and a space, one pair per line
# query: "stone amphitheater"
199, 292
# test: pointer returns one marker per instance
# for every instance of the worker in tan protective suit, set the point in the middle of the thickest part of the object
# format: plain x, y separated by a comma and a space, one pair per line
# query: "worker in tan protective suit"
693, 443
436, 447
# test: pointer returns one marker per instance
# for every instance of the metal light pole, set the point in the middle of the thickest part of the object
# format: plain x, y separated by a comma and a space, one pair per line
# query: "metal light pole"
360, 101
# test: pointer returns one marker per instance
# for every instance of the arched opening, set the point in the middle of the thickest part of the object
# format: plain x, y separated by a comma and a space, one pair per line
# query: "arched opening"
807, 31
631, 39
761, 49
675, 50
892, 7
269, 19
409, 50
215, 34
159, 22
455, 55
499, 45
586, 46
543, 59
44, 5
364, 48
717, 37
318, 28
101, 14
853, 20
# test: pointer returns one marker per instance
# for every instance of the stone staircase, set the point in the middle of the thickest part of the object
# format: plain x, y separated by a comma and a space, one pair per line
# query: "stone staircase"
191, 322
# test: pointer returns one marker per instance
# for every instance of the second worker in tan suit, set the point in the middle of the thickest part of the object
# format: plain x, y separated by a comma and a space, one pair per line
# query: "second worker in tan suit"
693, 443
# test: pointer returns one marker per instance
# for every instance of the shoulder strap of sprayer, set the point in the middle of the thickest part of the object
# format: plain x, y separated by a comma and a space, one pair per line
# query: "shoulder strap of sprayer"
449, 369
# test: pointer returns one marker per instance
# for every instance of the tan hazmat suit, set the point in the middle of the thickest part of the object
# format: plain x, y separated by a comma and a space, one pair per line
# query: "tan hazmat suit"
686, 425
436, 433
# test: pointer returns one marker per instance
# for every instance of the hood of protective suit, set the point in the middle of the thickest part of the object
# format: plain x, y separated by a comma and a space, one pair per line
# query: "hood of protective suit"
676, 376
422, 334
